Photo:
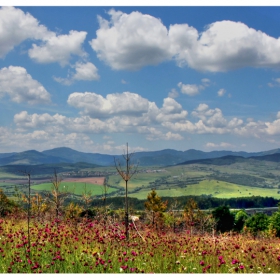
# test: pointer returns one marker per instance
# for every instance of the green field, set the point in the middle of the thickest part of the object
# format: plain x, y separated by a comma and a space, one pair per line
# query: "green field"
76, 188
241, 179
6, 175
138, 180
6, 184
215, 188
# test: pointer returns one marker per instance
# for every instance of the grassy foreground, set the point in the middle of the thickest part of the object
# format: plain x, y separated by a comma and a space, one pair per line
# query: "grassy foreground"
95, 247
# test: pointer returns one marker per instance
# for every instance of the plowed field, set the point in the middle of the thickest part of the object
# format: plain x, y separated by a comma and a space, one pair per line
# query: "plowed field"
91, 180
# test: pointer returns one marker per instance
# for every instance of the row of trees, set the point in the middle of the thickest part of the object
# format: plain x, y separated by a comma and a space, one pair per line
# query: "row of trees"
157, 213
221, 219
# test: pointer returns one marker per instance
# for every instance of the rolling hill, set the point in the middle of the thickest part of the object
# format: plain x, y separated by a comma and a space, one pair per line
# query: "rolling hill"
227, 160
167, 157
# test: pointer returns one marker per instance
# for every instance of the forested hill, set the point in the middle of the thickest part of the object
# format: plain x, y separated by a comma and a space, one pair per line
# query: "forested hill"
227, 160
165, 157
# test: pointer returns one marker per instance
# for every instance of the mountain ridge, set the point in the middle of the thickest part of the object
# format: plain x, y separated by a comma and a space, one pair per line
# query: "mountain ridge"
165, 157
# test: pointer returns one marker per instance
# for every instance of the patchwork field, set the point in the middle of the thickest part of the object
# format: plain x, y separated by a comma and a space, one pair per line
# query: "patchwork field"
91, 180
240, 179
77, 186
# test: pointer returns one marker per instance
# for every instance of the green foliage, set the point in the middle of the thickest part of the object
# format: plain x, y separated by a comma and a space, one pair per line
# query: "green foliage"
155, 205
274, 222
257, 222
240, 218
73, 210
224, 219
154, 202
6, 205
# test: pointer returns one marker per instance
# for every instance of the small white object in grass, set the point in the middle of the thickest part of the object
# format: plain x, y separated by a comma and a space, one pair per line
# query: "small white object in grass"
134, 218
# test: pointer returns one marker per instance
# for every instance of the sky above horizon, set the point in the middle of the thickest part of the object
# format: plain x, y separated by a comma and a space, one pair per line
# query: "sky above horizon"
155, 77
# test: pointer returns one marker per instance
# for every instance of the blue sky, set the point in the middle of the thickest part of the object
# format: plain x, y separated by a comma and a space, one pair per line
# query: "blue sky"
94, 78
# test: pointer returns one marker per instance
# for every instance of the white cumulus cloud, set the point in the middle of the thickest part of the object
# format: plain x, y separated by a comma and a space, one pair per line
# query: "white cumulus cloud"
59, 48
132, 41
83, 72
21, 87
86, 72
17, 26
189, 89
95, 105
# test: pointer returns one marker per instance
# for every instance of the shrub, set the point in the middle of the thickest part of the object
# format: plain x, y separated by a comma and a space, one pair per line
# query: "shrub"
224, 219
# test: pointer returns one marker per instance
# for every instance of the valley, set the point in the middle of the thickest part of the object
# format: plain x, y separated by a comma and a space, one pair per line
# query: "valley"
223, 177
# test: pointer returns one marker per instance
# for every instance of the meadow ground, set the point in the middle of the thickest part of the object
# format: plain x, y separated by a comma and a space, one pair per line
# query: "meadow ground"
99, 247
214, 188
77, 186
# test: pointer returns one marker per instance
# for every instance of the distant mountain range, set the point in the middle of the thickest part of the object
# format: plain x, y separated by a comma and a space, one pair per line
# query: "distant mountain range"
227, 160
165, 157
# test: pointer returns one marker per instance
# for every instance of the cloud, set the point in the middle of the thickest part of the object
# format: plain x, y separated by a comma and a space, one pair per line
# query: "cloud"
19, 85
228, 45
24, 120
221, 92
173, 93
189, 89
86, 72
206, 82
171, 110
211, 121
153, 134
221, 145
59, 48
83, 72
276, 83
193, 89
273, 128
117, 113
131, 41
210, 117
38, 139
114, 104
168, 123
126, 110
16, 27
14, 140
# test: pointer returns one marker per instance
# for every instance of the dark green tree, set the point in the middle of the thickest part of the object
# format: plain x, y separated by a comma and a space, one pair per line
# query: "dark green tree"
224, 219
6, 205
274, 222
258, 222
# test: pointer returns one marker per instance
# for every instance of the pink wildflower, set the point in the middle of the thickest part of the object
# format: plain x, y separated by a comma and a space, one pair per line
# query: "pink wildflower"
202, 263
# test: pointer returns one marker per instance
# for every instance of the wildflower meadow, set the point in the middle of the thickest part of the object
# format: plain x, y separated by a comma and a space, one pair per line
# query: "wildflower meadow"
92, 246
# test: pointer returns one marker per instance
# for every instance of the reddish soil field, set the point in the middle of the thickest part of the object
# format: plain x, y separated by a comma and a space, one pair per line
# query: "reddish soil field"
91, 180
